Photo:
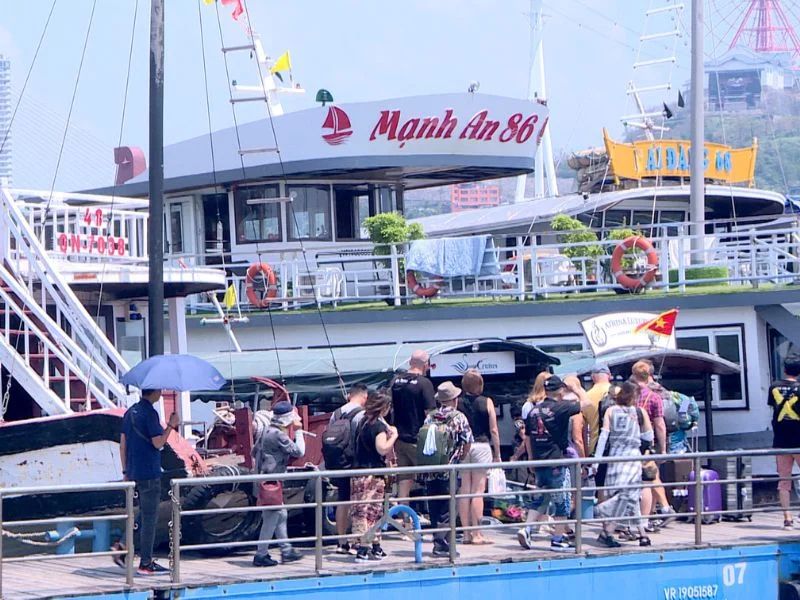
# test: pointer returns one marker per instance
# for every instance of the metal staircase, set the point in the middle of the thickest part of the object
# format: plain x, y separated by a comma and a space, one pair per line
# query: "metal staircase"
49, 343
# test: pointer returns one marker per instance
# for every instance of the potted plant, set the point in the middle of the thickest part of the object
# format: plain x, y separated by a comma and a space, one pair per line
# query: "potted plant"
386, 229
583, 252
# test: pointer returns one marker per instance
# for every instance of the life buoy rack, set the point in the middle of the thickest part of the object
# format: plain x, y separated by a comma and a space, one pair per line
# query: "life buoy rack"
413, 285
646, 246
264, 272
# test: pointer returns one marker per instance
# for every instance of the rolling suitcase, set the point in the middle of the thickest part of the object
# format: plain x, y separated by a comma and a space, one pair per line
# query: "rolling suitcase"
712, 494
739, 496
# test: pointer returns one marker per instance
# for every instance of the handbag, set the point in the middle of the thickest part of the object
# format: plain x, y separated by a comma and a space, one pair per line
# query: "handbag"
270, 493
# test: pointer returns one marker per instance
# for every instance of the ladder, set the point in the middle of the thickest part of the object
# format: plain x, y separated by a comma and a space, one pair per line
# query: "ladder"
49, 343
653, 69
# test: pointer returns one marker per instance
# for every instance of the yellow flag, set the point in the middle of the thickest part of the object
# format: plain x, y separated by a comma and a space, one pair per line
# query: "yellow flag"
230, 297
283, 63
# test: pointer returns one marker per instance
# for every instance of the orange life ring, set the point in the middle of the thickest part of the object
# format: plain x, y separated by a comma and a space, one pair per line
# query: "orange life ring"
642, 243
414, 286
258, 298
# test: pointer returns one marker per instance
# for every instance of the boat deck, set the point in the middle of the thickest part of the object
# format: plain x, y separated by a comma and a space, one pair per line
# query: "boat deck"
98, 576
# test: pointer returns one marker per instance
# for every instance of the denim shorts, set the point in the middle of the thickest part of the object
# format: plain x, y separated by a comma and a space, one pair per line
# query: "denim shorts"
549, 478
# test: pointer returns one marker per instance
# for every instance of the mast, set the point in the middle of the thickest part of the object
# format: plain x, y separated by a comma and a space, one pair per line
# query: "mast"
155, 226
697, 190
543, 162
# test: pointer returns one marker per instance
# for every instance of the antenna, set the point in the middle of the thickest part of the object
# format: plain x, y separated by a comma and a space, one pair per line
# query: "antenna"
537, 91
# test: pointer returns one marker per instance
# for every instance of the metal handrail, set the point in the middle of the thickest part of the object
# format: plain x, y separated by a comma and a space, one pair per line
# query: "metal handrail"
128, 515
451, 471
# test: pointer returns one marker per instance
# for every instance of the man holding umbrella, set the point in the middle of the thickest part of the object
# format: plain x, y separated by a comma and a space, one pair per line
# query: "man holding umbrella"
140, 444
143, 437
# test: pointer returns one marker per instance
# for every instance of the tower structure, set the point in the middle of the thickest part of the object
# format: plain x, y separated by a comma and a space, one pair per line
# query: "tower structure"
767, 28
5, 119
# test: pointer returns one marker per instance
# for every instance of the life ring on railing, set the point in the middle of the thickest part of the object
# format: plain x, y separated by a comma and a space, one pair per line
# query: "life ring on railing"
414, 286
626, 281
264, 272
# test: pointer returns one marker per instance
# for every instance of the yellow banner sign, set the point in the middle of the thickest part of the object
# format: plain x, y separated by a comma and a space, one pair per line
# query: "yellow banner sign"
671, 158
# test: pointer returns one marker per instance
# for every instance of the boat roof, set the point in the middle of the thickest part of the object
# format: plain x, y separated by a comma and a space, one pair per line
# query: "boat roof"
720, 200
666, 361
312, 369
406, 141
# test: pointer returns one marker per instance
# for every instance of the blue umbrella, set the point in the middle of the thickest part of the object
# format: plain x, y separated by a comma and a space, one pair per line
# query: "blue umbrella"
179, 372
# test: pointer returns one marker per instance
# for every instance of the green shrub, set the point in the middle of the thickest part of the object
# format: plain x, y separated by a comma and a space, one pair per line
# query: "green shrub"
575, 232
391, 228
693, 273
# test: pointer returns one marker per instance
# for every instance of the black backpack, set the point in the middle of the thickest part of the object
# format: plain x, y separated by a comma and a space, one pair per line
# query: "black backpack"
337, 441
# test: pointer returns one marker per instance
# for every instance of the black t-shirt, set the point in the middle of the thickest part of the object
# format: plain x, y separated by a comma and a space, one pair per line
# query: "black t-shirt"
477, 412
366, 455
548, 427
784, 398
412, 397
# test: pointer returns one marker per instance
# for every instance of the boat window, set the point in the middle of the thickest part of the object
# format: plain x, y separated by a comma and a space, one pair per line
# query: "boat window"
727, 391
671, 216
386, 200
617, 218
257, 222
311, 205
352, 207
175, 239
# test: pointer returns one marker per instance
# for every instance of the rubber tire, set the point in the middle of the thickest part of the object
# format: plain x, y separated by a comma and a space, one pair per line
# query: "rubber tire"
303, 524
239, 526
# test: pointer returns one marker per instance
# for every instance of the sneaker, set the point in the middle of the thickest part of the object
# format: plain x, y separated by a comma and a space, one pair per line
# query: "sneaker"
562, 545
264, 561
441, 548
608, 541
290, 555
153, 568
364, 555
667, 515
651, 527
378, 552
524, 538
345, 548
788, 524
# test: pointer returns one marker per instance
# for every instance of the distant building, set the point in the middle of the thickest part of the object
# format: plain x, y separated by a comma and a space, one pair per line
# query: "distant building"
737, 79
5, 118
468, 196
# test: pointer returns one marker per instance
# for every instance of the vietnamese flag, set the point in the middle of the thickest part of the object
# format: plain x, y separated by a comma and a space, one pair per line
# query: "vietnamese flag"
663, 324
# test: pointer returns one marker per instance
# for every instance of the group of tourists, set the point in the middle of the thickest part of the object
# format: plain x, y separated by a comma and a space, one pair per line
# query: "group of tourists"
411, 424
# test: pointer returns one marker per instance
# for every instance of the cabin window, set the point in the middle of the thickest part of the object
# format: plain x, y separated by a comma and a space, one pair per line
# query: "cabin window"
311, 205
727, 391
257, 221
352, 207
617, 218
386, 200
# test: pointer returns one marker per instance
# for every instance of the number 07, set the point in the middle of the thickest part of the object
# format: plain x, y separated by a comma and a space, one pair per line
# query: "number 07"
733, 574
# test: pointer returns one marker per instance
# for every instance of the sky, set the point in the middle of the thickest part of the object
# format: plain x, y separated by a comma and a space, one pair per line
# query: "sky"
358, 49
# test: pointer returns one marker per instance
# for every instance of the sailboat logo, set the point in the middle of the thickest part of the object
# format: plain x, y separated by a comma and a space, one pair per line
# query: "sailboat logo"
339, 124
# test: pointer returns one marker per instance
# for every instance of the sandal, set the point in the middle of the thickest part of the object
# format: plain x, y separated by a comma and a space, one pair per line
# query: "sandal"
608, 540
627, 535
481, 541
644, 541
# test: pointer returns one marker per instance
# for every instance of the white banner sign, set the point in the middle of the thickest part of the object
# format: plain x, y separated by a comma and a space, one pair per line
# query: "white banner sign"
487, 363
614, 331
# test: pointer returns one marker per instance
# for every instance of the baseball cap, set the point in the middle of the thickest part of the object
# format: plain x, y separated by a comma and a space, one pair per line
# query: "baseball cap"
601, 368
553, 383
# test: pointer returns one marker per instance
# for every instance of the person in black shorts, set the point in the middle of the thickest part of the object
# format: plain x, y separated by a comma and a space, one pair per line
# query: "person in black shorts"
412, 397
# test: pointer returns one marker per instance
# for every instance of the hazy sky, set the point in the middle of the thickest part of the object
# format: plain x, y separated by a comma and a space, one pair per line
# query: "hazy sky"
358, 49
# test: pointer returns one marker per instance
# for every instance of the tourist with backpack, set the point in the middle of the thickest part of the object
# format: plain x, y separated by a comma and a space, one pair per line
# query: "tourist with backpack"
627, 432
784, 399
445, 438
681, 414
374, 440
482, 419
337, 450
548, 428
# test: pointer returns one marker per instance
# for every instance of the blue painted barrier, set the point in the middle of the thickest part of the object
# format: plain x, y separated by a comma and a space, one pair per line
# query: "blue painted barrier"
402, 509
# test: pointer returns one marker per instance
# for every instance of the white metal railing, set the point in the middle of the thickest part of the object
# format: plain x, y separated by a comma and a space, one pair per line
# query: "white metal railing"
751, 255
33, 282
